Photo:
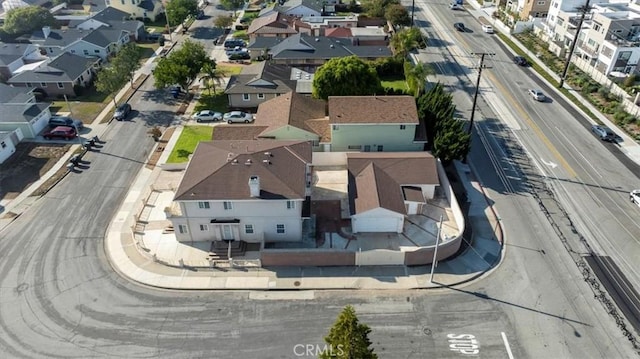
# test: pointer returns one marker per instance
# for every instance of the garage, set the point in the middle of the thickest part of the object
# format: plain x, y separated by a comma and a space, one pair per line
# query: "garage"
390, 224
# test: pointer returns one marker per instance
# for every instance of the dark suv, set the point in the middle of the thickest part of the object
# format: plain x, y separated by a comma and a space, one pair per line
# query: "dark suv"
65, 121
62, 132
460, 27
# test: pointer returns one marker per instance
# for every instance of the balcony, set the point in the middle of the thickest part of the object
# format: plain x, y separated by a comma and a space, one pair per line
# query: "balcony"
173, 211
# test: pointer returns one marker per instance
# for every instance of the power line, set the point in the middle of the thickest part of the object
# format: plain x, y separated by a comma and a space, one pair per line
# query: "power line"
475, 95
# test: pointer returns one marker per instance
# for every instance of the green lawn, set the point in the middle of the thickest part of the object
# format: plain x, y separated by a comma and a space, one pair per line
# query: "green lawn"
216, 101
397, 82
229, 70
241, 34
85, 107
189, 139
147, 51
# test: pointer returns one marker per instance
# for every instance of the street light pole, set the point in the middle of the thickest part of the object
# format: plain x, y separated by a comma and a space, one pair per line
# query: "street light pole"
435, 251
475, 95
166, 16
583, 11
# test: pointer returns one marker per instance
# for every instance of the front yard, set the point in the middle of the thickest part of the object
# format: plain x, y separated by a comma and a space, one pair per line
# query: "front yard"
85, 107
189, 139
395, 82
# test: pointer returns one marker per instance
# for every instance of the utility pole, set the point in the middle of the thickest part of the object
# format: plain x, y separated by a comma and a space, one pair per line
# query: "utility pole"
435, 251
583, 10
475, 95
413, 10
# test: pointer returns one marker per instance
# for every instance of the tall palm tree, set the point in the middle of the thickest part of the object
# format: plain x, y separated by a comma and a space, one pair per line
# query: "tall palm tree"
416, 77
212, 75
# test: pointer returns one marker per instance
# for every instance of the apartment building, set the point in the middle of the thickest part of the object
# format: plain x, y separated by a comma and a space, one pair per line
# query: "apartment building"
609, 38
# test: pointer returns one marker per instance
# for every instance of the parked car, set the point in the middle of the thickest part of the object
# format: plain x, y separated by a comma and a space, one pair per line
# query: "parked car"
175, 91
62, 132
455, 6
236, 51
56, 121
521, 61
207, 116
537, 95
234, 43
240, 56
605, 133
219, 40
459, 26
238, 116
122, 112
154, 36
634, 196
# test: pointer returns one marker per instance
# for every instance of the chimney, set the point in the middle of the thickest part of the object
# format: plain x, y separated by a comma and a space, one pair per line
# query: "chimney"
254, 186
46, 31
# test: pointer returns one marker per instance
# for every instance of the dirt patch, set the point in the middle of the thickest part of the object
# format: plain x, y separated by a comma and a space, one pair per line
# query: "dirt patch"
27, 165
162, 142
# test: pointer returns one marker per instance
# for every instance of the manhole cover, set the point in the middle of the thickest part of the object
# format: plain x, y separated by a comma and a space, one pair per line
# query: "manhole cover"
296, 283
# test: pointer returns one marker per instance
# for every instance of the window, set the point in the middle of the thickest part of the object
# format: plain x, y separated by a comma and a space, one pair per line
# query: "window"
315, 143
43, 84
280, 228
51, 50
96, 51
541, 2
260, 96
291, 205
3, 145
204, 227
380, 147
73, 51
86, 52
596, 27
29, 84
403, 127
246, 97
248, 228
60, 85
367, 148
183, 229
334, 127
354, 147
122, 2
203, 205
227, 205
81, 78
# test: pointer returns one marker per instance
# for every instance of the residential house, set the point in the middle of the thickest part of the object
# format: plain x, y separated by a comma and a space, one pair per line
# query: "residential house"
361, 36
386, 187
14, 4
375, 124
274, 24
609, 39
319, 24
258, 83
527, 9
22, 116
112, 18
101, 42
252, 191
300, 8
14, 56
138, 9
308, 50
291, 116
8, 143
58, 76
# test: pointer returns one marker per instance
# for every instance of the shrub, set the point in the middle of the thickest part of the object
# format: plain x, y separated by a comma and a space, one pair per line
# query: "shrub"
624, 118
630, 80
388, 66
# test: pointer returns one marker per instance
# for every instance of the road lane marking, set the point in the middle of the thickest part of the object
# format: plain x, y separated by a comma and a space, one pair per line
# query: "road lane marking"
533, 126
506, 344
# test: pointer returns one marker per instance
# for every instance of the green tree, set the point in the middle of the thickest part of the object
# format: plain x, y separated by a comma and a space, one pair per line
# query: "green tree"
346, 76
25, 20
397, 15
376, 8
348, 338
232, 4
223, 21
406, 40
179, 10
109, 81
211, 75
447, 137
416, 75
127, 61
181, 67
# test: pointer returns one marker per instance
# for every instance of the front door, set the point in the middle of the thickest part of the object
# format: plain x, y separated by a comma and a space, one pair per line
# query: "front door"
227, 233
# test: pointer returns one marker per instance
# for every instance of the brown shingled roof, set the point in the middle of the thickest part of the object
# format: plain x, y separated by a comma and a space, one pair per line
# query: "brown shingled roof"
273, 23
322, 128
338, 32
237, 132
381, 179
373, 109
220, 170
290, 109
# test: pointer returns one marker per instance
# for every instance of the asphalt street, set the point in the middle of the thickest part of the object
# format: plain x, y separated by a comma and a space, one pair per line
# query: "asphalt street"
59, 297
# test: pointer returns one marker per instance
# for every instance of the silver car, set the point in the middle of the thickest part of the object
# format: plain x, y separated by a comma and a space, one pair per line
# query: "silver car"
537, 95
238, 116
207, 116
605, 133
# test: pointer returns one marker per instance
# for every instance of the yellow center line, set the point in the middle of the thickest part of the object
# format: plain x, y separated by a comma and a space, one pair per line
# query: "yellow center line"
523, 114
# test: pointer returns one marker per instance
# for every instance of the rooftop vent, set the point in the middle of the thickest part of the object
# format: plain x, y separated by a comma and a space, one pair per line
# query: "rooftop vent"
331, 46
248, 162
266, 162
268, 154
234, 162
230, 156
317, 40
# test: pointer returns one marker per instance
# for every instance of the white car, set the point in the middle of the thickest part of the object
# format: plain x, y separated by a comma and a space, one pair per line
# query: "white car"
455, 6
634, 196
237, 51
238, 116
207, 116
537, 95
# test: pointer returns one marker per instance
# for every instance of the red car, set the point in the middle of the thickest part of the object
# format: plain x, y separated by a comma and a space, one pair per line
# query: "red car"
62, 132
